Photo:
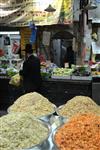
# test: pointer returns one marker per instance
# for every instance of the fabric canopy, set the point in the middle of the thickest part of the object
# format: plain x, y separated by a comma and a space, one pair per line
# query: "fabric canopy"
20, 13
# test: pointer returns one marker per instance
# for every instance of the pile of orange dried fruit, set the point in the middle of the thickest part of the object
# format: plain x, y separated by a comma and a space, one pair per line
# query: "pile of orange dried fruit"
82, 132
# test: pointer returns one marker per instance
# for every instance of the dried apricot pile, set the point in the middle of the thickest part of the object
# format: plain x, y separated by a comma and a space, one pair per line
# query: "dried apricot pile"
82, 132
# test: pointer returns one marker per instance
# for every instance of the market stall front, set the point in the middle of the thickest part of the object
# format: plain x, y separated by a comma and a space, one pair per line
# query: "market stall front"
60, 91
66, 112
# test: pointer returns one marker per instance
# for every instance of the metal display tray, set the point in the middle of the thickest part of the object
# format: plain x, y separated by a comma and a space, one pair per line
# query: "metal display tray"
56, 121
60, 77
81, 77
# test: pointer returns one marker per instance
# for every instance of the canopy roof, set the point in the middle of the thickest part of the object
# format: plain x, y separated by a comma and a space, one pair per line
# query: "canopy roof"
21, 12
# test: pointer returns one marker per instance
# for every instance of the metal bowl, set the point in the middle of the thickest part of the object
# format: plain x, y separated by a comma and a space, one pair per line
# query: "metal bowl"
54, 132
44, 143
63, 118
45, 118
53, 140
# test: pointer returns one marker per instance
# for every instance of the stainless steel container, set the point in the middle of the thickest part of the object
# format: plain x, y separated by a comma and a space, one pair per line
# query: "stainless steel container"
44, 145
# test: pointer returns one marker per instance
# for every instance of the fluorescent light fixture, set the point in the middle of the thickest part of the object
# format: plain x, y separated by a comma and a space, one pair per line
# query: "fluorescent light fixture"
9, 32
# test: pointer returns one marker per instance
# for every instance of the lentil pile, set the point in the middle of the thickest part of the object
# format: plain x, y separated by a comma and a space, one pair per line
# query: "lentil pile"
34, 103
19, 131
82, 132
78, 104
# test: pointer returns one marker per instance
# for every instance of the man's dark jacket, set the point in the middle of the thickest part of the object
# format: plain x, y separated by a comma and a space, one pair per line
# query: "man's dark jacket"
31, 74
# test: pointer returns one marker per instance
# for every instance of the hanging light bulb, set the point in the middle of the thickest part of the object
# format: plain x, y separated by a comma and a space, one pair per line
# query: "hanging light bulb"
91, 5
50, 8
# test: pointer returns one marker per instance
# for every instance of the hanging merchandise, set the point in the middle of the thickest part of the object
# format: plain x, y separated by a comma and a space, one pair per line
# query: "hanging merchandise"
15, 47
33, 32
2, 52
46, 38
95, 48
7, 40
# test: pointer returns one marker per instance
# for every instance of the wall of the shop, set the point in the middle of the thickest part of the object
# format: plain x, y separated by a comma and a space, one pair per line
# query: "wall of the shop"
94, 15
93, 18
53, 29
26, 32
25, 36
76, 10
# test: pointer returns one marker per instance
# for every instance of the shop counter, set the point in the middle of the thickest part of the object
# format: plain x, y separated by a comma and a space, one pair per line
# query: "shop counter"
96, 89
59, 91
4, 92
8, 93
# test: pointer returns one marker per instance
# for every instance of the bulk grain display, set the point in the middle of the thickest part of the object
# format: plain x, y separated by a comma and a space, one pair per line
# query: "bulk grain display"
82, 132
78, 104
33, 103
20, 131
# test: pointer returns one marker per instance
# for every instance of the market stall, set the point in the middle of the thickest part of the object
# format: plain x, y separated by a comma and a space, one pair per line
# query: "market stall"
66, 113
58, 84
61, 90
10, 63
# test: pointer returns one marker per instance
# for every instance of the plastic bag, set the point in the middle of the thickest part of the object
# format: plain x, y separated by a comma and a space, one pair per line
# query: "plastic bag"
16, 80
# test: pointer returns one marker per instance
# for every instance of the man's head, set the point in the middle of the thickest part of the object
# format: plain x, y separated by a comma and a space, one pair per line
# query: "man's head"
28, 49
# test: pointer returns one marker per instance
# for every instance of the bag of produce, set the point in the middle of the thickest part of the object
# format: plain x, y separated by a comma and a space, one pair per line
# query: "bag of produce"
16, 80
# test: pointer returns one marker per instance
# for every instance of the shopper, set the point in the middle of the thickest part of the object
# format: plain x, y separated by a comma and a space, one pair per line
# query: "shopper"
69, 56
31, 71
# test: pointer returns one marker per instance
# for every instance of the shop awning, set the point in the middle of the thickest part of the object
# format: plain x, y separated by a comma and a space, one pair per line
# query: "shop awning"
35, 11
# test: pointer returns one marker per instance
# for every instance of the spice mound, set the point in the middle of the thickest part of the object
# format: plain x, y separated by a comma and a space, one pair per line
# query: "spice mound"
34, 103
78, 104
82, 132
19, 131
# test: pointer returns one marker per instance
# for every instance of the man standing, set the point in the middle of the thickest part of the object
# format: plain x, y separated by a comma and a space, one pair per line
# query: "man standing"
70, 56
31, 71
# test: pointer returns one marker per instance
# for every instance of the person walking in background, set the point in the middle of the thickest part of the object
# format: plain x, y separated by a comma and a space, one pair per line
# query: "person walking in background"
31, 72
69, 56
